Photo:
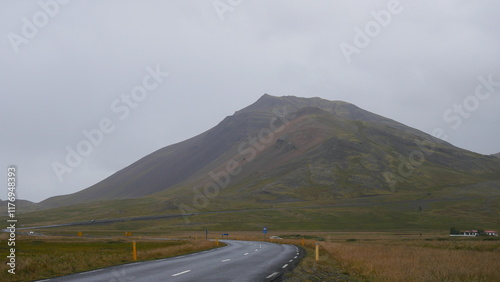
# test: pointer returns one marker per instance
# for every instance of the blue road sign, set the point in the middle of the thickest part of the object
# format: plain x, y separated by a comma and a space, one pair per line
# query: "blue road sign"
264, 230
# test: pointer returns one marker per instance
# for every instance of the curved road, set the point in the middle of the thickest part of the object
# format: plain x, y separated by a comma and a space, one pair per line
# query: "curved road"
239, 261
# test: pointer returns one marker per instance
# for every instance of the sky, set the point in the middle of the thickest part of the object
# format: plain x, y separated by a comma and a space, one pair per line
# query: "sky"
89, 87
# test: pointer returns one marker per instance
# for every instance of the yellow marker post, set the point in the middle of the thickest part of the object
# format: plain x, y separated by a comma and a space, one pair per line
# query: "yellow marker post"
134, 251
79, 234
302, 241
317, 251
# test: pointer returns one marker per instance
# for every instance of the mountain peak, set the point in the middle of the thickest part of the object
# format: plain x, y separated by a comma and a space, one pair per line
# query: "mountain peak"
268, 103
292, 104
267, 96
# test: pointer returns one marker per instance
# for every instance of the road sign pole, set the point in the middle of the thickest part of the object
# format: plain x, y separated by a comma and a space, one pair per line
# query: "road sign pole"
134, 251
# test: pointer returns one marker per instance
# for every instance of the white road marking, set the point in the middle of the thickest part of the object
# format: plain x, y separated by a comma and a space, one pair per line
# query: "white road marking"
224, 260
246, 254
274, 274
180, 273
295, 257
290, 260
256, 250
97, 270
284, 266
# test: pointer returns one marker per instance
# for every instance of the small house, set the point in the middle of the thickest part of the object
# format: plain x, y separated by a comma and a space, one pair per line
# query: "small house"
491, 233
471, 233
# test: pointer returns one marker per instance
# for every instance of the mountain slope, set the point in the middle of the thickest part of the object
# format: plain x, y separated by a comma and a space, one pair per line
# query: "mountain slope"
20, 206
283, 149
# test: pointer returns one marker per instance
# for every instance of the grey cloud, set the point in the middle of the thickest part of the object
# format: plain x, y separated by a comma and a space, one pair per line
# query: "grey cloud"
64, 80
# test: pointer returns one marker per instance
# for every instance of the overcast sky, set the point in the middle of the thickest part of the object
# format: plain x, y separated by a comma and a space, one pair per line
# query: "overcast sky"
68, 67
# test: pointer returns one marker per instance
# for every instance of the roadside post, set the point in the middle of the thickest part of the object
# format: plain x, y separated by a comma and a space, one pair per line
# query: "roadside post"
264, 231
317, 251
134, 250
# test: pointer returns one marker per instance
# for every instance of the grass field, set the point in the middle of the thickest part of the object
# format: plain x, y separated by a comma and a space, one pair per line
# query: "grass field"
344, 256
44, 257
443, 209
400, 257
419, 261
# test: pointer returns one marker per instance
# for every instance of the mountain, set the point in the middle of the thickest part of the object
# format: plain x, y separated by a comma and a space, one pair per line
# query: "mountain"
20, 206
496, 155
290, 149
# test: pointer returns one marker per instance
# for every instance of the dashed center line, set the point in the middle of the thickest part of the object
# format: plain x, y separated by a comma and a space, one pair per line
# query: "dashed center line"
273, 274
284, 266
224, 260
180, 273
246, 254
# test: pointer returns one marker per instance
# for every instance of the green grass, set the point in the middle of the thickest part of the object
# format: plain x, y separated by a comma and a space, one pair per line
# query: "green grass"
417, 211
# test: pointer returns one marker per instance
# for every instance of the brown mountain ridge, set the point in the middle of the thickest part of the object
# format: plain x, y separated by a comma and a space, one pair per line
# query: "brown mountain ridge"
295, 149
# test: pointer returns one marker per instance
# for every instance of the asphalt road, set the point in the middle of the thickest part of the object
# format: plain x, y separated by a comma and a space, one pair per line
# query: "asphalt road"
239, 261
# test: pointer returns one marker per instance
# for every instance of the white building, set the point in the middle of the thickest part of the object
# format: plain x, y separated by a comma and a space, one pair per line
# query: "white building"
491, 233
471, 233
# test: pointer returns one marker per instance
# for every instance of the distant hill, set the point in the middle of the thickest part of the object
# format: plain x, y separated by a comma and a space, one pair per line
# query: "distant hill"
496, 155
20, 206
291, 149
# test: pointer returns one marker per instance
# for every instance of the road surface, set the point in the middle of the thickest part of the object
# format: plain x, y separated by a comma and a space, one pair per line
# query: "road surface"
239, 261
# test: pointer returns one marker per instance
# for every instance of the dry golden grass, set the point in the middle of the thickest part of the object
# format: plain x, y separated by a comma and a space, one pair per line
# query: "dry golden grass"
418, 260
44, 257
190, 246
